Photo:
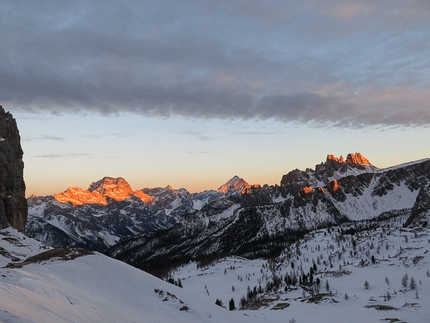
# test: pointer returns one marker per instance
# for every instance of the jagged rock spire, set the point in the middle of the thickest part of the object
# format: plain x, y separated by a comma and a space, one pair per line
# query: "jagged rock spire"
13, 205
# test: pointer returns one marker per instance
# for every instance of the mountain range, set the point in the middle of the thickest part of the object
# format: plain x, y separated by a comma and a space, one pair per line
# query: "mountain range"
98, 217
149, 227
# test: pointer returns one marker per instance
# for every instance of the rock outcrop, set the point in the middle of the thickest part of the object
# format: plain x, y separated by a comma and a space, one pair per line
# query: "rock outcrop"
13, 204
99, 192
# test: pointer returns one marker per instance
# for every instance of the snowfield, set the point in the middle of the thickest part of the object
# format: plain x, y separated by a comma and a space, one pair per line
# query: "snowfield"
74, 285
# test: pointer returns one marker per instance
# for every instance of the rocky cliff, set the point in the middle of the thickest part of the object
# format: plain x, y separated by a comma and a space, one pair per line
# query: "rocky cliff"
13, 205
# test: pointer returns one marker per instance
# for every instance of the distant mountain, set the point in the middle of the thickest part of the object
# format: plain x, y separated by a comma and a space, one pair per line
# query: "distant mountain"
98, 217
152, 226
233, 185
263, 220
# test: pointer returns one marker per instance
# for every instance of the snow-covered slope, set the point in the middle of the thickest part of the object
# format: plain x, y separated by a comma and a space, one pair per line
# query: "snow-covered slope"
342, 258
39, 284
71, 285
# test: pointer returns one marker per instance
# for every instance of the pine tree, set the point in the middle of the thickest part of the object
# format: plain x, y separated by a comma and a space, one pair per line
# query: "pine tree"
231, 305
366, 284
405, 280
242, 302
412, 283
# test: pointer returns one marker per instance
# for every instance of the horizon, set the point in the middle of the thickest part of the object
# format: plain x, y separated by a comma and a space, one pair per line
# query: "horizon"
188, 93
220, 185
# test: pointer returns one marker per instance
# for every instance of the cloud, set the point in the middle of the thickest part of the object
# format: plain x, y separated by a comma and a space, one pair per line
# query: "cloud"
223, 60
46, 137
73, 155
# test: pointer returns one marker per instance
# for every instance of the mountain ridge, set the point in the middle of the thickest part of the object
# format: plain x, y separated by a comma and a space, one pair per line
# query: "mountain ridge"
278, 215
110, 209
330, 194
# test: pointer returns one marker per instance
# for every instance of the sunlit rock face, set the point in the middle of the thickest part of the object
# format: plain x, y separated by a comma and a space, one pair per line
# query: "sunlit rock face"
13, 205
99, 192
233, 185
78, 196
357, 159
115, 188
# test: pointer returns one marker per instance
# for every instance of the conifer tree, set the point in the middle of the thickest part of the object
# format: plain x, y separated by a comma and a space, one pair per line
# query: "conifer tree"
231, 305
405, 280
412, 283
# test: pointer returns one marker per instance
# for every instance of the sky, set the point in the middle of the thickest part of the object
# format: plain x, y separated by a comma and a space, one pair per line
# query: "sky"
191, 93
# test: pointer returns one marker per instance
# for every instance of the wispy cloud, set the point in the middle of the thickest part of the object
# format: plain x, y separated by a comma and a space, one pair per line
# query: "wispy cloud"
46, 137
73, 155
197, 152
116, 135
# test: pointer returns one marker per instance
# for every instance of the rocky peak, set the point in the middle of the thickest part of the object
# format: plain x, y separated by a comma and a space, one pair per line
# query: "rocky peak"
357, 159
117, 189
333, 158
13, 205
233, 185
351, 159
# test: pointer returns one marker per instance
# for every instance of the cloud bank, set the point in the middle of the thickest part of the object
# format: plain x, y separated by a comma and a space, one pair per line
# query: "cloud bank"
344, 63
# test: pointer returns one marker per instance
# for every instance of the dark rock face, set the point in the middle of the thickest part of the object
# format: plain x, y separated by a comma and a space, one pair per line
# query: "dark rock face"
13, 205
421, 211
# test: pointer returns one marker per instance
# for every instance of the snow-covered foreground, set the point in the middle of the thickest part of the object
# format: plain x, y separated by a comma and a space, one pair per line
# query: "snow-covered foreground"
343, 265
90, 288
69, 285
